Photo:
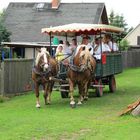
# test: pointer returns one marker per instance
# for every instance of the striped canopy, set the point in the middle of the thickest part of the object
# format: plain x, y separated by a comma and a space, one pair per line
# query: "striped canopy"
76, 29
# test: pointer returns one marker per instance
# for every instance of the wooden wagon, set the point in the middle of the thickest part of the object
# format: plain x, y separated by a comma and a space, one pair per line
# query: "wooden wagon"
106, 69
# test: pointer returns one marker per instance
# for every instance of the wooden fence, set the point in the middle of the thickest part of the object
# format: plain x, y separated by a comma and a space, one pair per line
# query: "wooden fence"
131, 59
15, 76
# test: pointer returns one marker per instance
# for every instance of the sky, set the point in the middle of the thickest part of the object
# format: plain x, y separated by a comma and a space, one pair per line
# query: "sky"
128, 8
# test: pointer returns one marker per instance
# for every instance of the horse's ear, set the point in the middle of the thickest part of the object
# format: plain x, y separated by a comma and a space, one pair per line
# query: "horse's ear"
84, 47
89, 49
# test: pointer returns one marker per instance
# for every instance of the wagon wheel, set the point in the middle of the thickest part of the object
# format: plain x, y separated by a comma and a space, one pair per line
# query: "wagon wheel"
112, 84
64, 91
99, 90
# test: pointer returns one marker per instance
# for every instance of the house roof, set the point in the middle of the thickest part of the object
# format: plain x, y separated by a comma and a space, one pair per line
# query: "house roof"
25, 20
131, 32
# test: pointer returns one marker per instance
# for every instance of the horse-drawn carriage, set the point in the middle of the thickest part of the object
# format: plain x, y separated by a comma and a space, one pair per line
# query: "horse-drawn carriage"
101, 75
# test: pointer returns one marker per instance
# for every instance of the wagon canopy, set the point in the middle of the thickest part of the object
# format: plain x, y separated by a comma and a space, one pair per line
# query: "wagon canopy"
76, 29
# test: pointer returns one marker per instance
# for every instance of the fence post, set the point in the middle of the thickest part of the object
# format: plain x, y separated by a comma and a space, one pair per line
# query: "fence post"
2, 78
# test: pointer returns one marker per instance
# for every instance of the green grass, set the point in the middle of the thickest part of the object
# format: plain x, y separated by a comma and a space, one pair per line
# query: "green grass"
96, 119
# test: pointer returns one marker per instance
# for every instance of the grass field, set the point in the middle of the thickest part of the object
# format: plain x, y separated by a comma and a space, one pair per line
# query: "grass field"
96, 119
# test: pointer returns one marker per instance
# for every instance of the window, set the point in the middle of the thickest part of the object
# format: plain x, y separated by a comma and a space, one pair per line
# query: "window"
40, 6
138, 40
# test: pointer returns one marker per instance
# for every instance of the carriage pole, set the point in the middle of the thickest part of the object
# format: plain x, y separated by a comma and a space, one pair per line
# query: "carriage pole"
50, 43
101, 55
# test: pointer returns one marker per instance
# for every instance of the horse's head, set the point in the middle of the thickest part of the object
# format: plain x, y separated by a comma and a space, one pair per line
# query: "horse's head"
82, 56
42, 60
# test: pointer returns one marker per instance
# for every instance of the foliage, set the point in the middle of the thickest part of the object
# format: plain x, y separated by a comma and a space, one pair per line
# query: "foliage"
96, 119
124, 45
4, 35
119, 21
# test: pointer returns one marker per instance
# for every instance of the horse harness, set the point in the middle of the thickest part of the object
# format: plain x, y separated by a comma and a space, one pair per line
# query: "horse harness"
82, 67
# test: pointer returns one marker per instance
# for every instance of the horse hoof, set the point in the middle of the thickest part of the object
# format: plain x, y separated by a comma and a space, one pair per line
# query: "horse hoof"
73, 105
85, 98
79, 103
37, 105
48, 103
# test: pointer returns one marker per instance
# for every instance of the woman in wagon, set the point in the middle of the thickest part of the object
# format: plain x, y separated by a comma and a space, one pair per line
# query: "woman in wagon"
73, 45
67, 53
59, 53
66, 49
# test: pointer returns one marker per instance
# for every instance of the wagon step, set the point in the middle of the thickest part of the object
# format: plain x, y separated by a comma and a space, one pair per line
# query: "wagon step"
65, 85
64, 90
62, 85
98, 86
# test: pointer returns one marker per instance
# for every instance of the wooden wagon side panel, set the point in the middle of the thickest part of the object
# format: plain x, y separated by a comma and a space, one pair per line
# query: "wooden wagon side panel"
112, 66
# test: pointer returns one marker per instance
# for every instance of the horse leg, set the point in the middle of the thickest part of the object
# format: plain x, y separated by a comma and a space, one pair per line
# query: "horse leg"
49, 91
86, 91
45, 93
37, 95
80, 100
72, 102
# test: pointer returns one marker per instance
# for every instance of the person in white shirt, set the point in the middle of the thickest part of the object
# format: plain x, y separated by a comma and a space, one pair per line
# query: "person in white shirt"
111, 43
100, 43
115, 46
85, 41
66, 49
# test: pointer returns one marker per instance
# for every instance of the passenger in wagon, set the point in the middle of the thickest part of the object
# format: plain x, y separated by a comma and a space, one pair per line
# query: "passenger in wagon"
66, 49
100, 42
86, 41
73, 45
105, 47
59, 54
111, 43
115, 47
60, 43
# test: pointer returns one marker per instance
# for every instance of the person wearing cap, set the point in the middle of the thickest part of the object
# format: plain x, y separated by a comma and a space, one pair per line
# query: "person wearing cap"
85, 41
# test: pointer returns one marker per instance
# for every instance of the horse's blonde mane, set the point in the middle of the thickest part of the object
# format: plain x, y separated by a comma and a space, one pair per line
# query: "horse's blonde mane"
40, 54
84, 52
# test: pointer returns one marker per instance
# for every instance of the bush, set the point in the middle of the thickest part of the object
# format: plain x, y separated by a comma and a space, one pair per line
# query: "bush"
124, 45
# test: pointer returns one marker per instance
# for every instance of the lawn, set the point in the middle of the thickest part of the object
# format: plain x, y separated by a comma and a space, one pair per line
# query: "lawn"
96, 119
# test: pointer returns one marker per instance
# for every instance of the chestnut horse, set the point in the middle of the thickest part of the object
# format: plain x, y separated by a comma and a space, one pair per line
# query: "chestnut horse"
45, 67
80, 73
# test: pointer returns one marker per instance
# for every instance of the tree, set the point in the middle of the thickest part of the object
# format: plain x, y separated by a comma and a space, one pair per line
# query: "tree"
119, 21
4, 34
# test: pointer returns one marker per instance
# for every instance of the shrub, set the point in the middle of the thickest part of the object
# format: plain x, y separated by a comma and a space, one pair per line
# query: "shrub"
124, 45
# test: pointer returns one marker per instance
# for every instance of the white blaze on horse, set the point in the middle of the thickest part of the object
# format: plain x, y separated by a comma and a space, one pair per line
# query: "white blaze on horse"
81, 72
45, 67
